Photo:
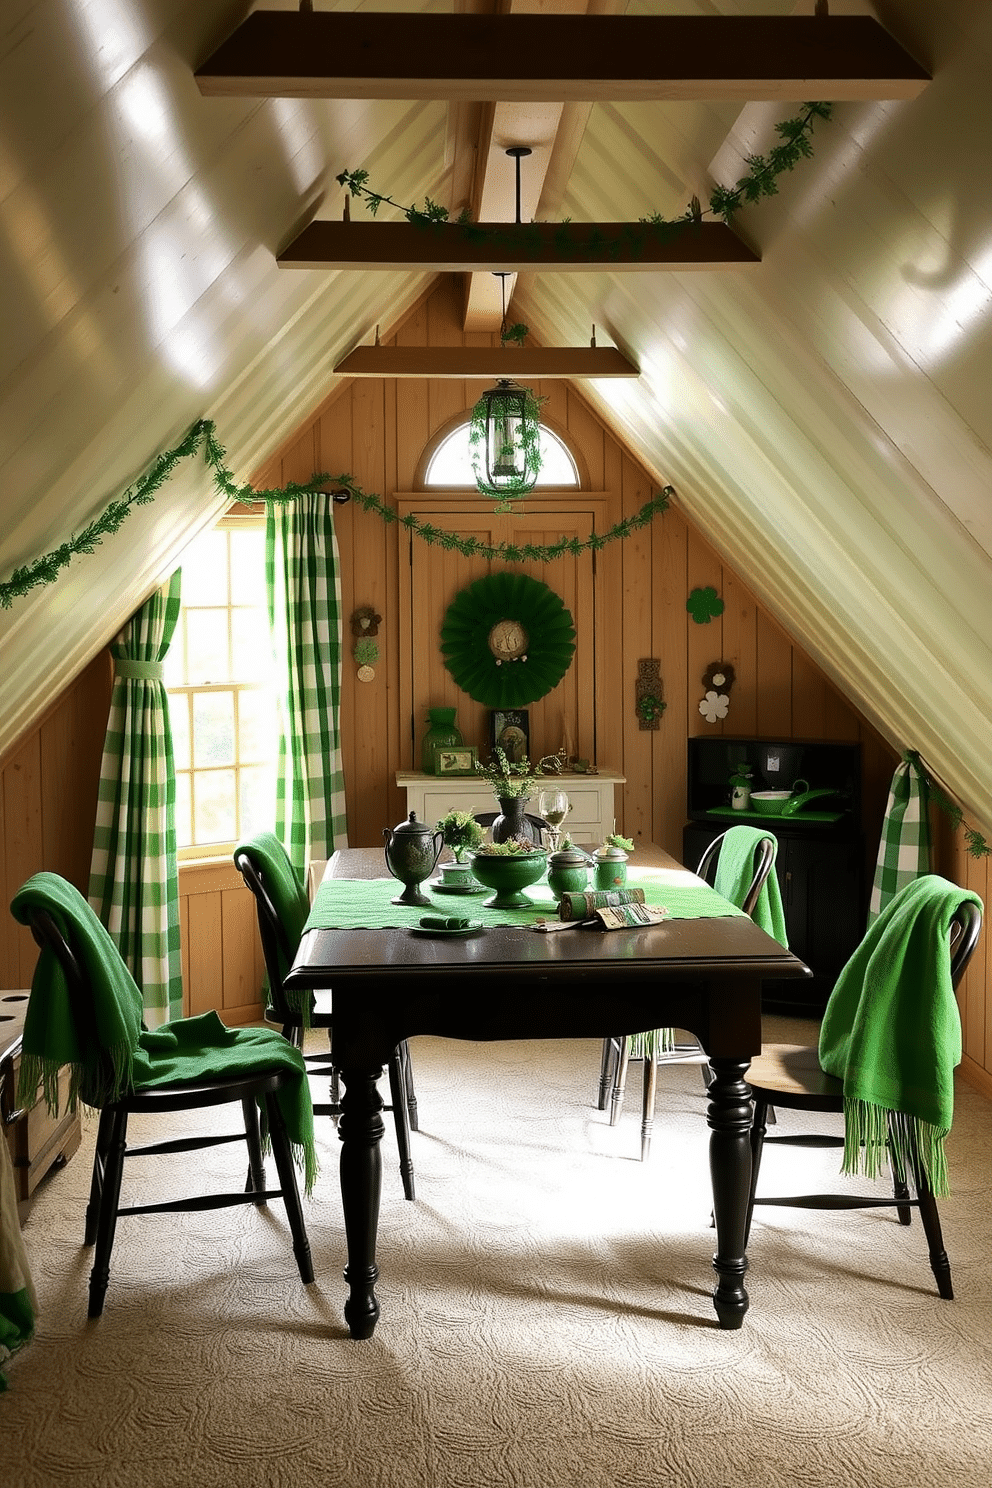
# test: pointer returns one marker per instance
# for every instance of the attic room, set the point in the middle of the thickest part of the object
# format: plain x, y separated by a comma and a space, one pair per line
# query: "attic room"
801, 406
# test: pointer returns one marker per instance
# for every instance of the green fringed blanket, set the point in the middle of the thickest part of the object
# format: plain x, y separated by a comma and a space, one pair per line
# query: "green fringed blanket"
892, 1032
105, 1047
289, 899
735, 871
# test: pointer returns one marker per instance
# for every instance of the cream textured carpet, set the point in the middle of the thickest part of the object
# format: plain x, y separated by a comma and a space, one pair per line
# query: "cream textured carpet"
546, 1316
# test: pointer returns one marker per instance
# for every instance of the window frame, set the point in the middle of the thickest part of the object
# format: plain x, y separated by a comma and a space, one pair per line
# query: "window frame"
239, 518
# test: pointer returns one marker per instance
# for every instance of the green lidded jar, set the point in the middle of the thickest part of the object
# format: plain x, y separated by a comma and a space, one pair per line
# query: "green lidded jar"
442, 732
611, 868
568, 871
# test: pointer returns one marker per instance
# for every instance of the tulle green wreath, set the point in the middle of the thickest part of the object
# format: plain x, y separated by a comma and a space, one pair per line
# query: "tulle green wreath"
529, 606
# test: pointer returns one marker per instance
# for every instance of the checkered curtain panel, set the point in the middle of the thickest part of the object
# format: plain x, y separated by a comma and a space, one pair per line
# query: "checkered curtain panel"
134, 885
304, 599
904, 847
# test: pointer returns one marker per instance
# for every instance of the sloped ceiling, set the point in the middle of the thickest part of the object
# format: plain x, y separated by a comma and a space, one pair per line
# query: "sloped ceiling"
825, 419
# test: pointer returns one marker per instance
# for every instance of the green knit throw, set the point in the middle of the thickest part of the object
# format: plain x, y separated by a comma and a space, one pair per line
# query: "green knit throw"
892, 1033
735, 872
289, 898
101, 1040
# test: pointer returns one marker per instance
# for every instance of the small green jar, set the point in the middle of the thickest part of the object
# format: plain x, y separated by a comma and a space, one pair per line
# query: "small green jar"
442, 732
611, 868
568, 872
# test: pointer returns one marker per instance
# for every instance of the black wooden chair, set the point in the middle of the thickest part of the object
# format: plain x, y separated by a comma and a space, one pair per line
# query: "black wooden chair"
248, 1088
790, 1076
279, 944
616, 1049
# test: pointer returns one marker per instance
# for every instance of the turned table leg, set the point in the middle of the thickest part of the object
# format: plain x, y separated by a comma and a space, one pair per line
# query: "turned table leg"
360, 1129
728, 1118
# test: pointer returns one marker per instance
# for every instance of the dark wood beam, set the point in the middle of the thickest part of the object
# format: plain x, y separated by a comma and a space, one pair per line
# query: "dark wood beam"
549, 58
497, 361
512, 247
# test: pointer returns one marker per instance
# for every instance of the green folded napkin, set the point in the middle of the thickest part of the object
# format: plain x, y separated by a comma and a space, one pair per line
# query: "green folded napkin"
444, 922
101, 1040
891, 1031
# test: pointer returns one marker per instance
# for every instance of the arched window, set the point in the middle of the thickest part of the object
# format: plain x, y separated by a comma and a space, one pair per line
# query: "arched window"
450, 464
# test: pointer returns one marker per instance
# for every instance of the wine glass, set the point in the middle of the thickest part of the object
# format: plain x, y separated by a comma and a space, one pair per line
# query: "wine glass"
554, 806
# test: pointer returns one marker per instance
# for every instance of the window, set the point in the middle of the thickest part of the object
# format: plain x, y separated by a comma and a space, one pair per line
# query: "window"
218, 673
451, 463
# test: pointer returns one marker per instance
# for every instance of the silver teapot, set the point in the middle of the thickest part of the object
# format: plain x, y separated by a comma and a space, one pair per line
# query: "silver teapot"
412, 851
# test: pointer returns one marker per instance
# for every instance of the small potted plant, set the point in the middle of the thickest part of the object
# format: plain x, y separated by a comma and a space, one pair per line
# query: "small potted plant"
611, 861
462, 833
508, 867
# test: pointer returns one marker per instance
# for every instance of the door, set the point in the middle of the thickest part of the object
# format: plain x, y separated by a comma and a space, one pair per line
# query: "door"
434, 575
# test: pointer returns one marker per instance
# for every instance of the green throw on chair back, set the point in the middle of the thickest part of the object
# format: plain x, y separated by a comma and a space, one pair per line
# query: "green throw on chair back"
735, 871
98, 1033
289, 898
891, 1030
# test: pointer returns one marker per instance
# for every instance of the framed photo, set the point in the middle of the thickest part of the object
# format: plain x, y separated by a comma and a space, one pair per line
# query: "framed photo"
454, 759
510, 729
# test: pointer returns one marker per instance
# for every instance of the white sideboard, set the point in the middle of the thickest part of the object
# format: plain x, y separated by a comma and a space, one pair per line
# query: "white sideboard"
592, 799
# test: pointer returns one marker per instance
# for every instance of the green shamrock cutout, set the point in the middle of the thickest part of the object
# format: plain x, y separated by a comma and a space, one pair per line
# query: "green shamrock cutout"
703, 604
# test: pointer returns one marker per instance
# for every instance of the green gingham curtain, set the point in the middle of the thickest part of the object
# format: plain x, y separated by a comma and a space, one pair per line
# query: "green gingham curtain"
304, 599
134, 884
904, 847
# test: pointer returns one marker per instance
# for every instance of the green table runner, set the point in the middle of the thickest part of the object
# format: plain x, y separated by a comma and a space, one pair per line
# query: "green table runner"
357, 904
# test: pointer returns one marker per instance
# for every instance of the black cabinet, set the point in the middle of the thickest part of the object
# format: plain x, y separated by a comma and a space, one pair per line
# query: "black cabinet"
819, 864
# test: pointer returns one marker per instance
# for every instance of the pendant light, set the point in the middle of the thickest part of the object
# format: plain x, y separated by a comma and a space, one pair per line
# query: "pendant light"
505, 433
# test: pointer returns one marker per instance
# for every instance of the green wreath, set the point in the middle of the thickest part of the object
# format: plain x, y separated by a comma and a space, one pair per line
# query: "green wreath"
534, 626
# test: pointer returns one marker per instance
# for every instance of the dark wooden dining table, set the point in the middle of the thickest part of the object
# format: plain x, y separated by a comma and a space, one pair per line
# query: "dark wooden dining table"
510, 982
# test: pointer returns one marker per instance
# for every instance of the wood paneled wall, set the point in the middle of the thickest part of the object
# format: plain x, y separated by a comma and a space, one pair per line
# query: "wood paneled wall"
48, 789
377, 432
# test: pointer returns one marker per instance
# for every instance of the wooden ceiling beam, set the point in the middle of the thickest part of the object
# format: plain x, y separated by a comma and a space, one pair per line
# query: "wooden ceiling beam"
510, 247
560, 58
497, 361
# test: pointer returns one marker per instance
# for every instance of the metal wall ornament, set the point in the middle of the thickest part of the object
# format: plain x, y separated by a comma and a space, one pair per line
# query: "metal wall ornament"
507, 640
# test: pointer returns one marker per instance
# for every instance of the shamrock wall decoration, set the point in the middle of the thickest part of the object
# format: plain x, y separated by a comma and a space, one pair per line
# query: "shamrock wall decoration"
718, 679
704, 604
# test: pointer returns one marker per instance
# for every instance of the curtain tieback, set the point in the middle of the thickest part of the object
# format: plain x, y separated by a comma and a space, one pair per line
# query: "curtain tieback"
148, 671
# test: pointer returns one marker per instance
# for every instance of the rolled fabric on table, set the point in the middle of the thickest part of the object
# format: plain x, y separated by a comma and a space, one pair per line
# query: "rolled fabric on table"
581, 906
444, 922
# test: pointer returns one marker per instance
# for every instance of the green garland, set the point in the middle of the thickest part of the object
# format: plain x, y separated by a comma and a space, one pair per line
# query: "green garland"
45, 570
761, 179
473, 547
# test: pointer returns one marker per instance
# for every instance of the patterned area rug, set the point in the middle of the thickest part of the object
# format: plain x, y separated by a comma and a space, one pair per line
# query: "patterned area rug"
546, 1315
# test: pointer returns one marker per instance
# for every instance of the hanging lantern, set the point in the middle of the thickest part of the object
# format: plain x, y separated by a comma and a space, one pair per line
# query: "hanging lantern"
505, 441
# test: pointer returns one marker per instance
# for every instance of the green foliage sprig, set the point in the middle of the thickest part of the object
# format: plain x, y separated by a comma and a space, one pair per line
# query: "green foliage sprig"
759, 180
974, 843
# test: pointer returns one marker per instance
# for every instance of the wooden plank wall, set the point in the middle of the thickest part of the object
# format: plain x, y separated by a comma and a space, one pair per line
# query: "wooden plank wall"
377, 432
48, 787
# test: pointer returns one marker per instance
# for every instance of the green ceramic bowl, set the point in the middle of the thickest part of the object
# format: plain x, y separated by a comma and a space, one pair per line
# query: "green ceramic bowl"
508, 876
